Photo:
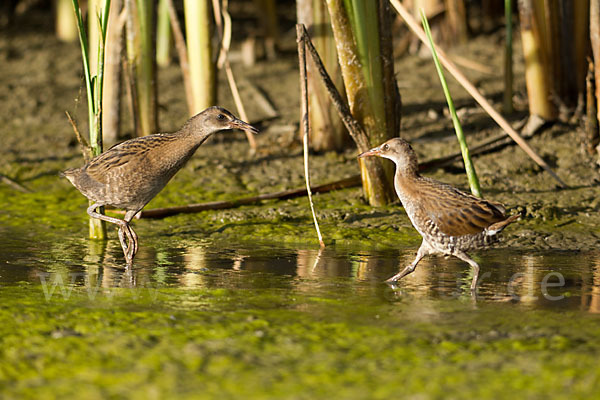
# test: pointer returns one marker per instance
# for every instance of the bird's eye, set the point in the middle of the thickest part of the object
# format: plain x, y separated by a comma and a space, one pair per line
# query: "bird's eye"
220, 117
386, 147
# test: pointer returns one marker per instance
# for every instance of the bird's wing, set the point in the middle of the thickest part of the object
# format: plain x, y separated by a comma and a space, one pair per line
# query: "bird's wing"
457, 213
109, 163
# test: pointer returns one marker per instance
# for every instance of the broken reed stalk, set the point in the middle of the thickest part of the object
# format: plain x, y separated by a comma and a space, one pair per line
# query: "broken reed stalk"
581, 36
469, 167
304, 122
182, 54
269, 23
472, 90
354, 129
199, 51
456, 20
163, 35
590, 135
356, 28
113, 68
94, 84
141, 59
595, 40
223, 22
539, 70
65, 21
327, 131
508, 59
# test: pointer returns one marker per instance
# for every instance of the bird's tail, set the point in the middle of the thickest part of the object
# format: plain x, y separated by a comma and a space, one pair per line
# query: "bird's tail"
499, 226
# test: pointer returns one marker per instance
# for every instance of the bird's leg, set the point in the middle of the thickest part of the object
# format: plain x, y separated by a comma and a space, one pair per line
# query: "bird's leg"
474, 265
135, 241
129, 215
422, 252
122, 239
128, 249
92, 213
123, 227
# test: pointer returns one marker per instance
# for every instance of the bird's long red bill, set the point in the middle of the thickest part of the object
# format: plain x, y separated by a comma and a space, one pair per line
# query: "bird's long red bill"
244, 126
373, 152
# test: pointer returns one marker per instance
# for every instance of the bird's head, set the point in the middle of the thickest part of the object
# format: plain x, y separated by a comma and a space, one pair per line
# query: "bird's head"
399, 151
215, 119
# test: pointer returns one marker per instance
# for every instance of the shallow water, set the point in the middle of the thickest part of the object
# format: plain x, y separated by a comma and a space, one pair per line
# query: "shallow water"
199, 319
560, 280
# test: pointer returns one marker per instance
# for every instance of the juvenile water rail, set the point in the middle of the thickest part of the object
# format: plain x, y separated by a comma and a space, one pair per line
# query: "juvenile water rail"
131, 173
450, 221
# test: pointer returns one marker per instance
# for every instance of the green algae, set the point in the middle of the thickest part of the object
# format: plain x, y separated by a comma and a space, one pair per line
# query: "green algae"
56, 206
286, 343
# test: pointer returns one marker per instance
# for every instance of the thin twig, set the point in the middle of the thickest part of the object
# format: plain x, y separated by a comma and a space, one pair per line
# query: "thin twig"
258, 97
86, 150
223, 22
472, 90
352, 181
182, 53
472, 64
304, 121
354, 129
14, 184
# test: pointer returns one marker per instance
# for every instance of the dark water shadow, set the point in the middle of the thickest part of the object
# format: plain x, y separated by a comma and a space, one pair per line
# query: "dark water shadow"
557, 280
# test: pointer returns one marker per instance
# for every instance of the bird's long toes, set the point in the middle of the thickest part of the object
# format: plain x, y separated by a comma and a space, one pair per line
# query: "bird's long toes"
122, 240
135, 243
393, 279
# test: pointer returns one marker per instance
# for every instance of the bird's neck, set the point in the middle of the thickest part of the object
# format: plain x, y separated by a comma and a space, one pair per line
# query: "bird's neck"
406, 182
177, 153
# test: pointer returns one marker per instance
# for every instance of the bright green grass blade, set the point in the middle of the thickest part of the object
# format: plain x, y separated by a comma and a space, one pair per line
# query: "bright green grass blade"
469, 167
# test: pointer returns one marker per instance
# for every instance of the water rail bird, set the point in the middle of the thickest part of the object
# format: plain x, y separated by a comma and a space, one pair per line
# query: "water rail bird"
131, 173
450, 221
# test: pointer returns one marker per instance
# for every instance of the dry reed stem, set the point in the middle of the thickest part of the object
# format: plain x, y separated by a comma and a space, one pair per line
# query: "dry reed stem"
304, 121
85, 148
223, 22
595, 40
14, 184
345, 183
182, 53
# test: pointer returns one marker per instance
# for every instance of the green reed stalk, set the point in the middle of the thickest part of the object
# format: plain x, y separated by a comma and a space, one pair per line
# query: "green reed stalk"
508, 59
469, 167
94, 94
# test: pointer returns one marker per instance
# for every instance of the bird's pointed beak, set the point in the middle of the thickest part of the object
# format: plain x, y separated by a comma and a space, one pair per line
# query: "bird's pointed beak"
375, 151
244, 126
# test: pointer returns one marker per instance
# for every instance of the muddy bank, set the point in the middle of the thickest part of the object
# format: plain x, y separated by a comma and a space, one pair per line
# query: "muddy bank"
40, 79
